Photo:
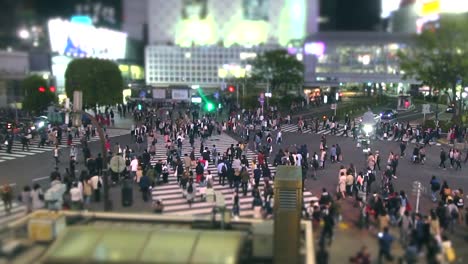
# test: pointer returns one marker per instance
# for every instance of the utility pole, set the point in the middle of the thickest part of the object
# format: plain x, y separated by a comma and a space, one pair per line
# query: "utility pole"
417, 186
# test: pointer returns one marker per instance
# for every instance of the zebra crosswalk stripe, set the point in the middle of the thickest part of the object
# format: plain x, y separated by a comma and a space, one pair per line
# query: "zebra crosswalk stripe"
17, 211
17, 148
172, 195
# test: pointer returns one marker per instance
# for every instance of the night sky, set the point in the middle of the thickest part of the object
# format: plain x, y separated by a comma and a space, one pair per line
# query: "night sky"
351, 15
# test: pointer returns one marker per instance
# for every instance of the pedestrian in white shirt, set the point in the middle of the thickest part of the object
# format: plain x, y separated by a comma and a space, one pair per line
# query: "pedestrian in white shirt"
133, 167
279, 137
96, 185
76, 197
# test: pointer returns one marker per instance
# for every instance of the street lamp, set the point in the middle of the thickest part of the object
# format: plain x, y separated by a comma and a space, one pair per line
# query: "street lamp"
24, 33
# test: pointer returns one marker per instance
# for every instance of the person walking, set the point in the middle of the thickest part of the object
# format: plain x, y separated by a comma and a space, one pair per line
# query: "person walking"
76, 196
385, 245
26, 198
56, 155
435, 188
96, 185
406, 226
191, 192
443, 158
145, 184
7, 197
37, 196
245, 177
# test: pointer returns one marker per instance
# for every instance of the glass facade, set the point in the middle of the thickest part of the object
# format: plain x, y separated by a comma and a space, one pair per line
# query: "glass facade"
356, 57
211, 66
381, 59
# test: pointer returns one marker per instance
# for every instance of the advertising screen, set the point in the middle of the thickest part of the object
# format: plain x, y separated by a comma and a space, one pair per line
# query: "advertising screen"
81, 40
230, 22
159, 93
179, 94
388, 6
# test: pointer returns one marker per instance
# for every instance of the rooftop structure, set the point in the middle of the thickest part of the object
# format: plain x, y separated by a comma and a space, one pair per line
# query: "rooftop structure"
84, 237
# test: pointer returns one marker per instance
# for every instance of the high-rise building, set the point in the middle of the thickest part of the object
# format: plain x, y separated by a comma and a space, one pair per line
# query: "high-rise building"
205, 41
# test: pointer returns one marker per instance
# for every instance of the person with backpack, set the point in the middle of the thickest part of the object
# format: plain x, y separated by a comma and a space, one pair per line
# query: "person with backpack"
257, 175
435, 187
458, 201
453, 214
191, 192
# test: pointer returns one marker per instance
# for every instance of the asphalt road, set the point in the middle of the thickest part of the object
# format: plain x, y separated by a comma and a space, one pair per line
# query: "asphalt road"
407, 172
37, 168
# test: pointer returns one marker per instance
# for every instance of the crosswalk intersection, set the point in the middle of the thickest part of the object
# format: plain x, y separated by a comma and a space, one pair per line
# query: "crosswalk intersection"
17, 211
18, 152
292, 128
172, 196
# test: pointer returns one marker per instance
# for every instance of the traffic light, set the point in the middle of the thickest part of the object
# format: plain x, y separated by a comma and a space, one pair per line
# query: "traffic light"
231, 88
42, 89
209, 106
139, 106
52, 89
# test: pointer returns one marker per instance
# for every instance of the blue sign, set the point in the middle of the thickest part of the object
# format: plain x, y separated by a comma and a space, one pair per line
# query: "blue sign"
82, 20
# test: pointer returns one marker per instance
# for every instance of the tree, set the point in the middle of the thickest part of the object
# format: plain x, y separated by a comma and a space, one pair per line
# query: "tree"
439, 57
37, 95
100, 81
281, 70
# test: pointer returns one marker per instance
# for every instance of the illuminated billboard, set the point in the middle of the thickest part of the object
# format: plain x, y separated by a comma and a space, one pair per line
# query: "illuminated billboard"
81, 40
434, 7
229, 22
388, 6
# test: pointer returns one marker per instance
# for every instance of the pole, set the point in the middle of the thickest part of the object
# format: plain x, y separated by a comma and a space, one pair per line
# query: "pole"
418, 194
237, 95
16, 113
268, 91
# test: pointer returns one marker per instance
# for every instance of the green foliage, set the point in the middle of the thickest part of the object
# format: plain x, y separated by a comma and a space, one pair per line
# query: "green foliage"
34, 100
440, 56
100, 81
281, 70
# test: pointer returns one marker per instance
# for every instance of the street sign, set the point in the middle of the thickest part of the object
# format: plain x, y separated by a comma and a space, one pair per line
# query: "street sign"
268, 95
426, 108
196, 100
117, 164
333, 106
261, 100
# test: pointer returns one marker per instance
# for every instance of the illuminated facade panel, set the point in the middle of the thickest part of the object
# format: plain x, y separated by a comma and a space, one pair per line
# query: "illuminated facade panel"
229, 22
354, 57
209, 67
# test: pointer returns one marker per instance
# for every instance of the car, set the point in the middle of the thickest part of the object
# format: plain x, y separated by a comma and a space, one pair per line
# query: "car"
388, 114
40, 123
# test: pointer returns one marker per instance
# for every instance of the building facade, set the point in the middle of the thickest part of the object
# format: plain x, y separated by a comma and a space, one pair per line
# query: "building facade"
14, 66
336, 58
205, 42
207, 67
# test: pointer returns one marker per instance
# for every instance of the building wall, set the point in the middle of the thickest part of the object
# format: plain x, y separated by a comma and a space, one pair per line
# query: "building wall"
135, 16
359, 57
13, 67
167, 65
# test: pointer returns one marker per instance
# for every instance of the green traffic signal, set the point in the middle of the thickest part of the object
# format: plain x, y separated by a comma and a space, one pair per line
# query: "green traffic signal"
140, 107
209, 106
